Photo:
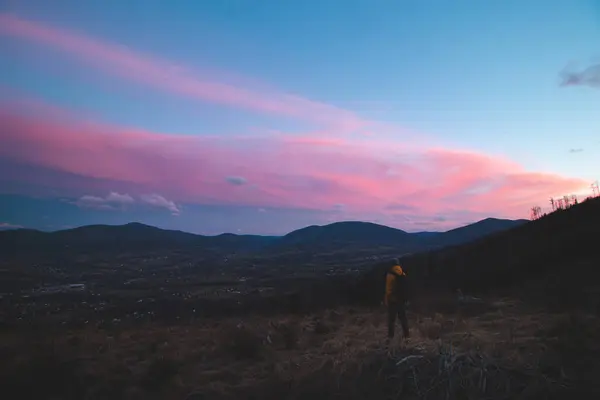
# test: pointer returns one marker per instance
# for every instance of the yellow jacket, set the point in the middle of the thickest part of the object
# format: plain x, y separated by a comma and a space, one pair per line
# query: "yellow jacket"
390, 283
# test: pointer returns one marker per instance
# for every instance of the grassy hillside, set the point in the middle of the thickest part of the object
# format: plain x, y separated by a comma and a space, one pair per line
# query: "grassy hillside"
559, 249
503, 351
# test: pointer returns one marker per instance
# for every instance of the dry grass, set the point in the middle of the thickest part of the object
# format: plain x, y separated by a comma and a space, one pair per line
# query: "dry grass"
505, 351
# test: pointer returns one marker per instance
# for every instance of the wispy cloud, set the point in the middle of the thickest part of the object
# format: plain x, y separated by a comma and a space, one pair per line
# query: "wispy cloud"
236, 180
339, 207
589, 76
577, 150
8, 226
113, 201
400, 207
165, 75
365, 176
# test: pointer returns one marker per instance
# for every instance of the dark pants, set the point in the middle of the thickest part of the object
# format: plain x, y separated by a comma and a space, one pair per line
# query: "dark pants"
397, 309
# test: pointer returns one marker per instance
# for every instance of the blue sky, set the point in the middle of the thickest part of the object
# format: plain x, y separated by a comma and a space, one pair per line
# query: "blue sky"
479, 76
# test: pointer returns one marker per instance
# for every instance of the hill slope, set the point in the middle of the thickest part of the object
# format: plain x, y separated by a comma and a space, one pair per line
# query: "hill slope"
474, 231
559, 248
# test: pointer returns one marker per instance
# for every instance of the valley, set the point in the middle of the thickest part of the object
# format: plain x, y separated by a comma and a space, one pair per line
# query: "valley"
125, 268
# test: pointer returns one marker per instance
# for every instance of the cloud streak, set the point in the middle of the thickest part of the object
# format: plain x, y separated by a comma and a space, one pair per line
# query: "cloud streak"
294, 172
158, 201
7, 226
115, 201
123, 62
236, 180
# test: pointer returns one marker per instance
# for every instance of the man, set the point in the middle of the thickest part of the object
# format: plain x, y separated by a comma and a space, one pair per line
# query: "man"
395, 299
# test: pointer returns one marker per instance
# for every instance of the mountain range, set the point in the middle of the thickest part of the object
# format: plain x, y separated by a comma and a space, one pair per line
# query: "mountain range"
336, 236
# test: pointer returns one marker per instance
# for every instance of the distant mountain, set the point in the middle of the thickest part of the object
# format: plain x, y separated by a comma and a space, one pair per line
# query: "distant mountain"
345, 234
364, 234
243, 243
133, 233
137, 237
132, 237
470, 232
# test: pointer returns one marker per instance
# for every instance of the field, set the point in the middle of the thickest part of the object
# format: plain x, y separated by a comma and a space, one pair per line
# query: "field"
495, 349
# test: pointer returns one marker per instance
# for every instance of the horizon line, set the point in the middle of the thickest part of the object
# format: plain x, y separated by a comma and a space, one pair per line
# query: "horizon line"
24, 228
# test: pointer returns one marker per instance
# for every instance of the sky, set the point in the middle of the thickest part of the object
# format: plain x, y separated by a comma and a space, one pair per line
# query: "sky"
261, 117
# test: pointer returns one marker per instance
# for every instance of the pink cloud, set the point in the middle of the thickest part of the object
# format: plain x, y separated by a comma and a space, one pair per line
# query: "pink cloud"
121, 61
368, 178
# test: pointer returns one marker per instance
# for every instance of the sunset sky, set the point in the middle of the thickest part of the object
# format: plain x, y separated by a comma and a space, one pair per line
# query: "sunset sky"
243, 116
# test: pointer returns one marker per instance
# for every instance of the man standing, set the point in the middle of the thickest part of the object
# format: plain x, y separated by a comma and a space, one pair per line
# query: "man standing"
395, 298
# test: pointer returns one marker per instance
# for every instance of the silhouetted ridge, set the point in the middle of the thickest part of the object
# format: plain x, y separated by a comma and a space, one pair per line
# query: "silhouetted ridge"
474, 231
562, 246
346, 231
338, 236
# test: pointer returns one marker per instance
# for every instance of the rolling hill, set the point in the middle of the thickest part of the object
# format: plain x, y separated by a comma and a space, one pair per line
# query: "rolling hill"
342, 235
471, 232
132, 237
137, 237
356, 234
